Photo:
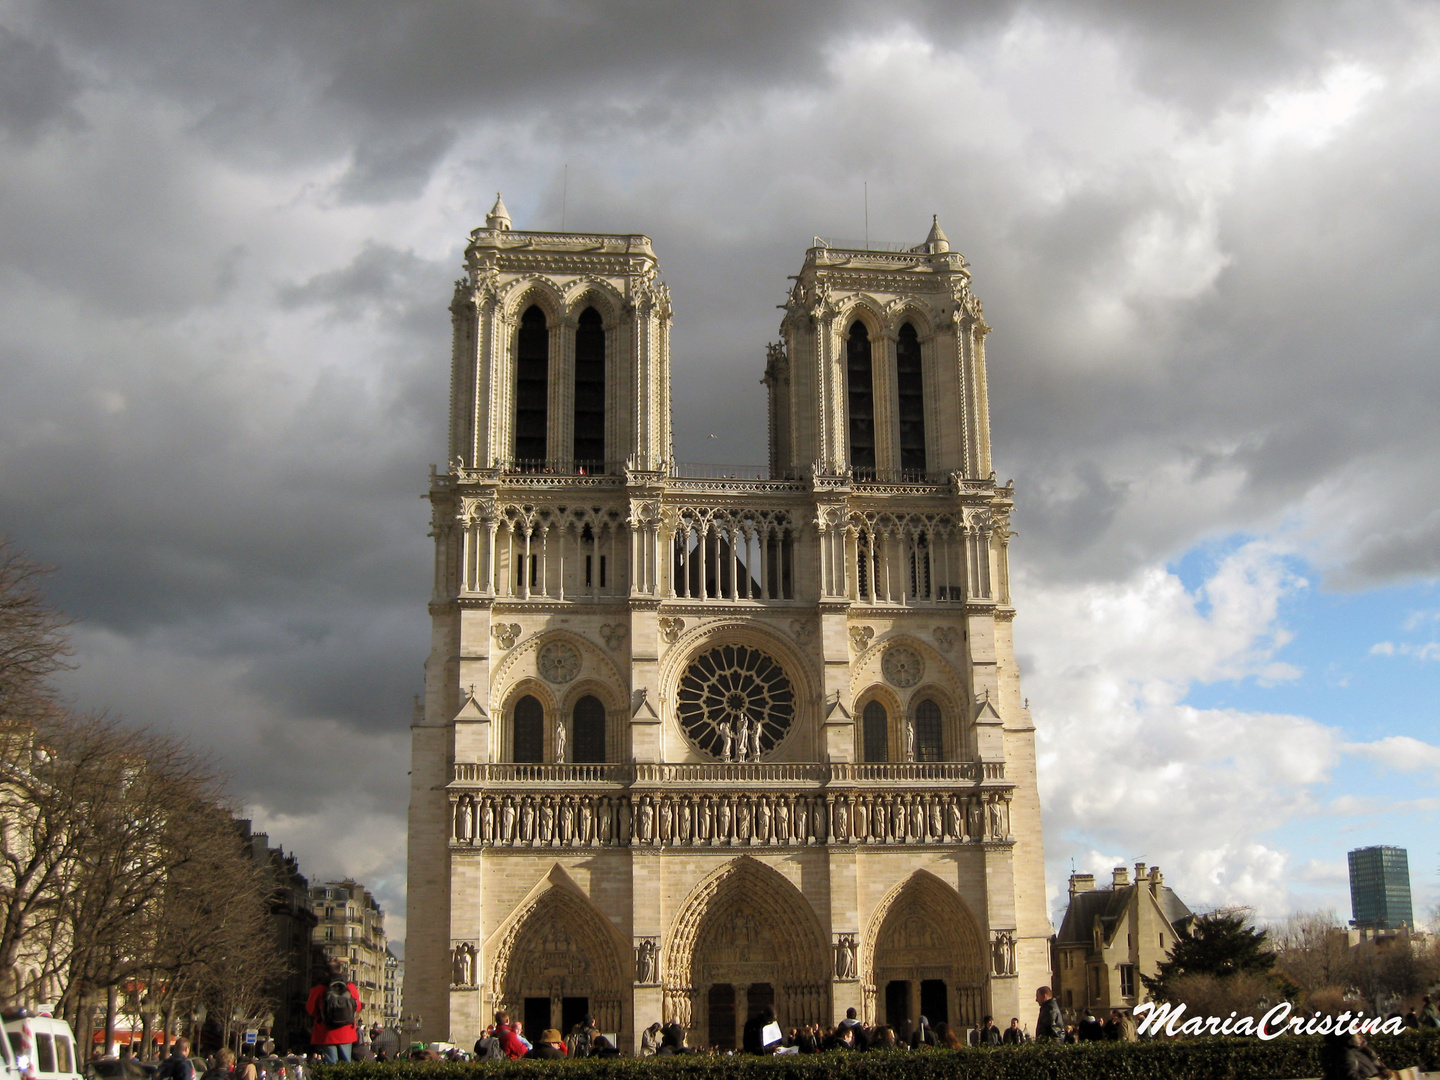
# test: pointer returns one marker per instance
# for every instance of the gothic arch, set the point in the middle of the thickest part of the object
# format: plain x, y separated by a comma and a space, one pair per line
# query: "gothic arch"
747, 923
914, 311
597, 293
595, 662
526, 687
953, 716
940, 673
894, 720
539, 290
922, 930
558, 944
617, 728
869, 311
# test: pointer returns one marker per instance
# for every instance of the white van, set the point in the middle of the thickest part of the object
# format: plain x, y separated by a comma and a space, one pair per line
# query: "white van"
43, 1047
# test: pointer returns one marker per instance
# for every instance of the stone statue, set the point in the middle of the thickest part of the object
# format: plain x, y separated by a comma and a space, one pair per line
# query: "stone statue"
487, 823
917, 819
686, 820
507, 821
667, 821
727, 740
909, 739
467, 822
937, 819
547, 820
842, 820
742, 735
782, 820
605, 824
862, 820
585, 833
977, 820
706, 821
458, 975
755, 741
622, 822
647, 957
647, 821
997, 824
845, 957
527, 821
762, 821
559, 740
567, 821
722, 818
957, 820
742, 820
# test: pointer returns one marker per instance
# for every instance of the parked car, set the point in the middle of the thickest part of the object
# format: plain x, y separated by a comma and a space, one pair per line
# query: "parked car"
44, 1047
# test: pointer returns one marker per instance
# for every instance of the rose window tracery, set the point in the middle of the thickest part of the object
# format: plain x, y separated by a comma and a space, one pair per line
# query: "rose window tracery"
735, 703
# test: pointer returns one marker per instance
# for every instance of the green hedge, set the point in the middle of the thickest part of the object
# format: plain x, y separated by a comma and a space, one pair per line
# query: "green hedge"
1211, 1058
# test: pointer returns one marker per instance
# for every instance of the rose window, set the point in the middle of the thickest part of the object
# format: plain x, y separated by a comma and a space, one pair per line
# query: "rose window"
735, 703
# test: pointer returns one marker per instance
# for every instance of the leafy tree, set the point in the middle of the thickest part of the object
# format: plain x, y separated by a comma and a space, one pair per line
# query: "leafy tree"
1221, 944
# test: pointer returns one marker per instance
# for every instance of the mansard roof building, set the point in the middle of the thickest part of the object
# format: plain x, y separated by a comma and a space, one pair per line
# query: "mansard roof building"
693, 745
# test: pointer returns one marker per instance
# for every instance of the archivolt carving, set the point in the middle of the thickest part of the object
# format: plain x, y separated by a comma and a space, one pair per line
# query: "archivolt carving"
749, 913
519, 293
865, 670
587, 291
923, 923
559, 945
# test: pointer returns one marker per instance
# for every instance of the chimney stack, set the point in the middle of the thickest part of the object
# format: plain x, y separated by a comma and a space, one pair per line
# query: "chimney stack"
1081, 883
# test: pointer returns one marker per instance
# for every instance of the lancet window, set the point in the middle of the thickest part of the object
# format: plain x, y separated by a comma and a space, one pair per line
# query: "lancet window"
732, 557
590, 392
929, 732
532, 387
528, 724
587, 725
910, 385
860, 373
875, 724
907, 559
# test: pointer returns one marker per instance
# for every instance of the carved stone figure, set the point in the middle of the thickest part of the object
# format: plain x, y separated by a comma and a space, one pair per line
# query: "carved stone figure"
862, 820
547, 820
622, 822
937, 819
762, 821
567, 821
957, 820
647, 821
977, 819
755, 741
647, 962
559, 740
782, 820
742, 737
466, 822
917, 819
507, 820
527, 821
463, 965
822, 827
842, 820
686, 816
909, 739
727, 740
845, 949
605, 820
707, 819
743, 818
722, 820
585, 821
487, 823
997, 820
667, 821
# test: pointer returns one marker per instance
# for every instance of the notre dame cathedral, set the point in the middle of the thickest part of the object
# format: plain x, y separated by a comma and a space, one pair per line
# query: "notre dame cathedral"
692, 745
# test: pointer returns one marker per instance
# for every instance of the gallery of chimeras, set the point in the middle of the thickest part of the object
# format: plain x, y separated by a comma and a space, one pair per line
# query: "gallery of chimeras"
695, 743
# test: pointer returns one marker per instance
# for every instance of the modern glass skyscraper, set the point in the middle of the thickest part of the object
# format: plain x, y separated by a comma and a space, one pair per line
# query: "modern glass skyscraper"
1380, 888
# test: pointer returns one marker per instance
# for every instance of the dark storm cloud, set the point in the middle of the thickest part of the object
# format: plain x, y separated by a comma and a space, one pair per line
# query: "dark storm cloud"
231, 232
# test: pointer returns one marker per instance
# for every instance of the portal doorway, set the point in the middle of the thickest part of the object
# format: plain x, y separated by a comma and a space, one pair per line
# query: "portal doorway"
720, 1010
934, 1001
537, 1017
572, 1011
897, 1004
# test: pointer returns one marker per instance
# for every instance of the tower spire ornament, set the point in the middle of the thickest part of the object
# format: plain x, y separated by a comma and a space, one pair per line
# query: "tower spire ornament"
499, 218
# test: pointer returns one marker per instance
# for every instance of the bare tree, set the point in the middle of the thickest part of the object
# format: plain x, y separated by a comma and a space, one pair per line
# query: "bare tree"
1313, 949
33, 642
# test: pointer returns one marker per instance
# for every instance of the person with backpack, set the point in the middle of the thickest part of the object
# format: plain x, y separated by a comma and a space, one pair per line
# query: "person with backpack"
334, 1004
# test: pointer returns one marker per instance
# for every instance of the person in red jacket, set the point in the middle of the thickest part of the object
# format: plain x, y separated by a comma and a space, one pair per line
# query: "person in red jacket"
334, 1004
509, 1041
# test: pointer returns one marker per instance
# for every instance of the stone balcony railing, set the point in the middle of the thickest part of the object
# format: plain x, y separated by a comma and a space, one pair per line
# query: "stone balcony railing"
727, 774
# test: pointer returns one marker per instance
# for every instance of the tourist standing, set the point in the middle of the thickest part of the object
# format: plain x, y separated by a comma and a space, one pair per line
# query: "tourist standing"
334, 1005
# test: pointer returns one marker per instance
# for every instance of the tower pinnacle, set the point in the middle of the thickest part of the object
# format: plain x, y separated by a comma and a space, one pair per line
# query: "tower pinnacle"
499, 217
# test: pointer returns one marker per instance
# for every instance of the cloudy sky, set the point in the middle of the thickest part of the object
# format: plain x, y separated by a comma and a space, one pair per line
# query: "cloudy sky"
1205, 234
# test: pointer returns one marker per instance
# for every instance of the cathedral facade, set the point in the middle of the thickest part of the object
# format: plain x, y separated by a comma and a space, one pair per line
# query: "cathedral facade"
693, 745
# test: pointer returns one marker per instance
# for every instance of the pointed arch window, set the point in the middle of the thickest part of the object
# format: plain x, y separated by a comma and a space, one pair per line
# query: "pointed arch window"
929, 736
590, 392
532, 387
910, 383
528, 722
875, 724
587, 725
862, 397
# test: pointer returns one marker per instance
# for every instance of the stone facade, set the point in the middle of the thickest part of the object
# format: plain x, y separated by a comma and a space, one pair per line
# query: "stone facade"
1110, 938
691, 745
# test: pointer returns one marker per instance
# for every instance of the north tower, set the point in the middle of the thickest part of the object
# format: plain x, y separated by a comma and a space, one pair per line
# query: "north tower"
692, 745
